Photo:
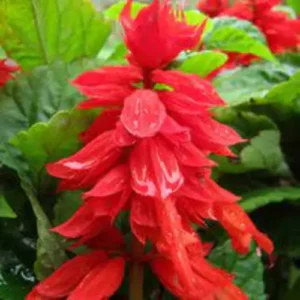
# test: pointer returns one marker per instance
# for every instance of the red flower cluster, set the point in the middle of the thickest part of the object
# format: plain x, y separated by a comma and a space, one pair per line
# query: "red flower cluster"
147, 153
281, 32
5, 71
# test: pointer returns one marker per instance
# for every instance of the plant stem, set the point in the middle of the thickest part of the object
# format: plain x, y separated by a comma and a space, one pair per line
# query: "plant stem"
136, 271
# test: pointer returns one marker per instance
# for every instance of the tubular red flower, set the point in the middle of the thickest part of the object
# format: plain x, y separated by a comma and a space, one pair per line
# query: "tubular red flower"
80, 278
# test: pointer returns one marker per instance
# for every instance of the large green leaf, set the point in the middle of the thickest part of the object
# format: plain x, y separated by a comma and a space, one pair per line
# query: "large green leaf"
36, 97
242, 84
203, 63
284, 96
262, 197
45, 142
248, 269
38, 32
234, 35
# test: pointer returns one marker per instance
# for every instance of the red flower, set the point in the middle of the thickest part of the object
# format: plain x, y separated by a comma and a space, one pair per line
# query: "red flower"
212, 7
6, 70
81, 277
240, 228
150, 157
157, 25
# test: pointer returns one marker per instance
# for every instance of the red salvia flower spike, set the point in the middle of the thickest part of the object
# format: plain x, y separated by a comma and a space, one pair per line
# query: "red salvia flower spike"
160, 24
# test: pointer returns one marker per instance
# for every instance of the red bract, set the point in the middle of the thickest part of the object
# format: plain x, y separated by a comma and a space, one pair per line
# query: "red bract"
6, 70
151, 158
167, 34
80, 278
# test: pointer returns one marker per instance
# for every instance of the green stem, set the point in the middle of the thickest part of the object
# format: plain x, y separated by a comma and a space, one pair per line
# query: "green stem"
136, 271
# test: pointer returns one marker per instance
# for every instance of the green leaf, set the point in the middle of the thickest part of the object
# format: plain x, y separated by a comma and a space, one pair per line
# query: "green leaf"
295, 4
36, 97
114, 11
241, 85
67, 204
248, 269
203, 63
258, 198
45, 142
5, 210
39, 32
285, 95
234, 35
262, 153
50, 251
247, 123
195, 17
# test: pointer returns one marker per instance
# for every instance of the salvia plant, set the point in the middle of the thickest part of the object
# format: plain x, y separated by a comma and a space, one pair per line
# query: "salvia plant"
149, 151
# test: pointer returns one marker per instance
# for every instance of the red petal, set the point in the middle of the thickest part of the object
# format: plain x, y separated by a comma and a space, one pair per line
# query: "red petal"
174, 132
122, 75
106, 95
143, 113
240, 228
113, 182
154, 168
110, 239
77, 224
174, 240
107, 120
109, 206
181, 103
102, 282
122, 137
190, 85
164, 270
230, 292
189, 155
84, 168
143, 219
64, 280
